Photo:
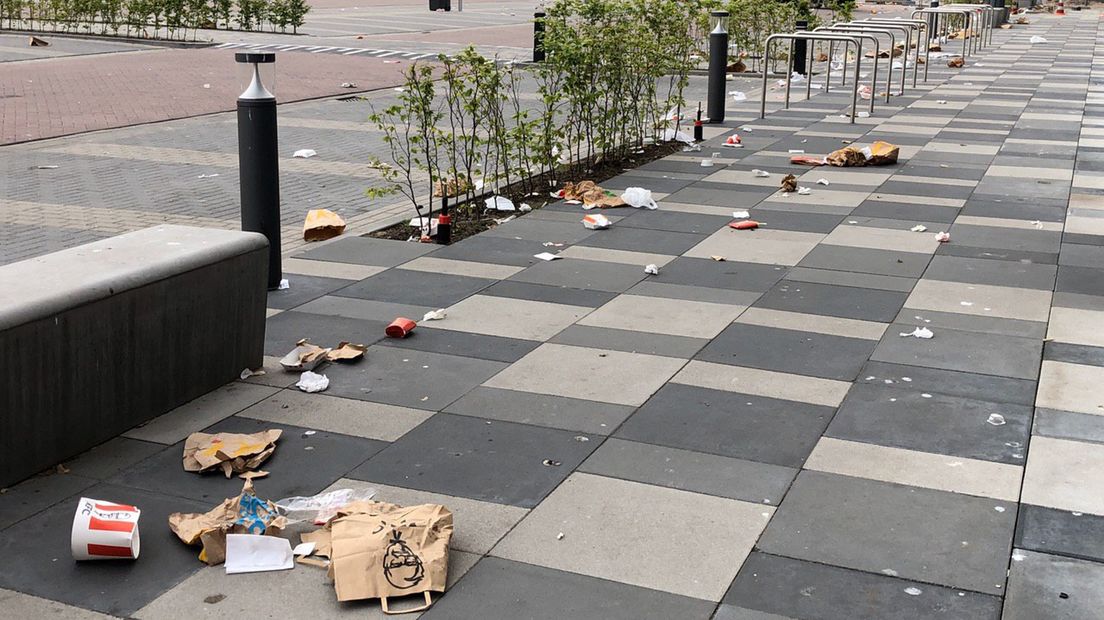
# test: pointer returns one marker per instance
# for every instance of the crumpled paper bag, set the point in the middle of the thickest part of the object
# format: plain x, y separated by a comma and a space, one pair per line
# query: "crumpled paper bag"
882, 154
848, 156
380, 550
233, 453
244, 514
322, 224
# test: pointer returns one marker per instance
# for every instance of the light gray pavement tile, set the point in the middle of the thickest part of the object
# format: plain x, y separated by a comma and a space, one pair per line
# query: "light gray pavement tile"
367, 251
630, 341
1006, 356
367, 309
932, 536
835, 326
328, 269
589, 374
511, 318
980, 300
477, 525
659, 315
573, 414
303, 592
1076, 325
1065, 475
767, 383
337, 415
200, 413
472, 269
771, 247
498, 588
1038, 581
1071, 387
590, 510
690, 471
936, 321
20, 605
873, 238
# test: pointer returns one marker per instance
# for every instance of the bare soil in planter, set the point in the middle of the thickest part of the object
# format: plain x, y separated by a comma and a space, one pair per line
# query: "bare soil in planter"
472, 218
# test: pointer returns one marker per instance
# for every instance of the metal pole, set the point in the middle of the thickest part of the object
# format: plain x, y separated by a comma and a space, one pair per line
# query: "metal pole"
797, 63
718, 68
538, 36
259, 163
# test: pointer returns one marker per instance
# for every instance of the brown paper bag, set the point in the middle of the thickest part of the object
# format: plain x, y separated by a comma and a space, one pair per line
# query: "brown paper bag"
848, 156
230, 452
381, 550
244, 514
883, 153
322, 224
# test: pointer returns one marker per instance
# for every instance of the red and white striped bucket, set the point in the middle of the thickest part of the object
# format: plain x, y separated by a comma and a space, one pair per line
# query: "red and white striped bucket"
105, 531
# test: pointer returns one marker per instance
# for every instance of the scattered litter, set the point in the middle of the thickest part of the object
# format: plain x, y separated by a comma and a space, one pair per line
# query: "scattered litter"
956, 62
319, 509
596, 221
744, 225
689, 148
738, 96
303, 549
807, 160
322, 224
551, 463
55, 167
804, 191
348, 85
998, 508
651, 269
863, 114
591, 196
346, 352
305, 356
304, 153
919, 228
249, 553
796, 151
37, 42
639, 197
420, 223
524, 208
942, 237
707, 162
865, 91
582, 438
919, 332
1037, 224
733, 142
718, 258
560, 536
400, 328
740, 215
789, 183
105, 530
547, 256
823, 182
434, 315
207, 86
202, 176
847, 157
746, 128
233, 453
283, 285
1037, 39
499, 203
965, 303
1018, 556
248, 372
762, 174
995, 419
244, 514
913, 591
925, 395
675, 134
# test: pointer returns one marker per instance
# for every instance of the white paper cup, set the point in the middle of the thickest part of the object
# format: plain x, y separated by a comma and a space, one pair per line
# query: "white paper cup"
105, 530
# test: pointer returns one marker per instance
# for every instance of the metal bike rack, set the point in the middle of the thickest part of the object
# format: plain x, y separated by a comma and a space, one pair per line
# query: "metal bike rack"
888, 31
979, 21
923, 37
855, 32
967, 14
812, 36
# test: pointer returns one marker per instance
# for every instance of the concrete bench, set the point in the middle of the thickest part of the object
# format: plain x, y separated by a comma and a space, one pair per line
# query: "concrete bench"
97, 339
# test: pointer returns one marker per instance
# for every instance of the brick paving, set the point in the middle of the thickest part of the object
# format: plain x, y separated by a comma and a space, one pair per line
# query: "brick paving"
747, 438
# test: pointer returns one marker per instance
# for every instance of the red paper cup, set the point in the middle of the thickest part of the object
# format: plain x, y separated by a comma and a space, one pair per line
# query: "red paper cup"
744, 225
400, 328
105, 531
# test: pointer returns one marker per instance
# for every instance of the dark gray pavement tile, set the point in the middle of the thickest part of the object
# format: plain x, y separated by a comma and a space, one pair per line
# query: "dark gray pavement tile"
879, 526
989, 253
1082, 255
283, 330
734, 275
452, 342
1047, 586
497, 589
949, 382
731, 424
533, 229
549, 293
903, 417
1037, 241
1080, 280
785, 350
583, 274
674, 221
930, 190
498, 250
1061, 532
1069, 425
1073, 353
38, 493
301, 465
493, 461
106, 459
781, 219
646, 240
302, 289
417, 288
368, 251
798, 589
690, 471
542, 410
851, 279
992, 272
839, 301
409, 378
987, 354
45, 565
864, 260
630, 341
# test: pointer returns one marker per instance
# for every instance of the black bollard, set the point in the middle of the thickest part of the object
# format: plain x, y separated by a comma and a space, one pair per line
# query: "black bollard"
538, 36
444, 221
718, 66
801, 49
259, 162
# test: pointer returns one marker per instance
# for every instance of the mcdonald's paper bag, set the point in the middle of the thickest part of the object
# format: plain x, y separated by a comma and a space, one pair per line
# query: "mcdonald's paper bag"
389, 551
322, 224
230, 452
244, 514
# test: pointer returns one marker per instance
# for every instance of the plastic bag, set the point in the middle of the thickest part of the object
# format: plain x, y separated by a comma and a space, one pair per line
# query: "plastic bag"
639, 197
320, 508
